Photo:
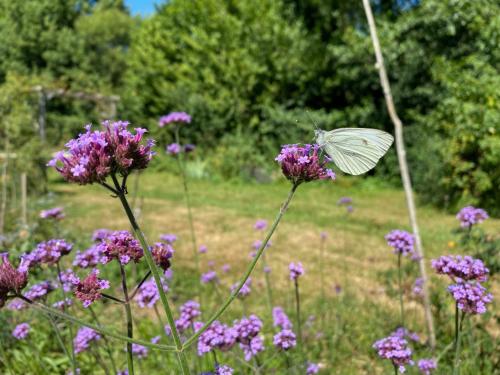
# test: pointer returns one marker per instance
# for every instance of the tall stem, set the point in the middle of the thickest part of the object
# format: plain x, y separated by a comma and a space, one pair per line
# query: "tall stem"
458, 331
154, 270
106, 341
249, 271
59, 336
268, 283
130, 324
400, 279
297, 307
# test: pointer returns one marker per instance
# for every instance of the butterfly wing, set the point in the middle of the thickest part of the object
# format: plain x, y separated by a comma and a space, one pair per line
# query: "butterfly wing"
355, 150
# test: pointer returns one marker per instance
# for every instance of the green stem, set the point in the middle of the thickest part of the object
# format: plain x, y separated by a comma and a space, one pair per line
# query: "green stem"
395, 369
70, 328
400, 279
297, 306
250, 269
268, 283
106, 341
59, 337
130, 325
154, 270
458, 331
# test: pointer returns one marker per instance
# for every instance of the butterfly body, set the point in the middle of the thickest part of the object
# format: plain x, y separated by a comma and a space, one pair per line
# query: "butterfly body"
354, 150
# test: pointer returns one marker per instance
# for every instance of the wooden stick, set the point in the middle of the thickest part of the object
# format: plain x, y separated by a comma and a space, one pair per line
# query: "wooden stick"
403, 167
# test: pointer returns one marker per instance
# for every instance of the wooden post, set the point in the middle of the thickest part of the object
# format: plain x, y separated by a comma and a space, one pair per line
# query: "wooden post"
403, 167
24, 200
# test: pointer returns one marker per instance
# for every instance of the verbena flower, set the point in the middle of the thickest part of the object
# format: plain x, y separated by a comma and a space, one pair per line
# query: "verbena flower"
21, 331
401, 241
56, 213
217, 336
280, 319
296, 270
223, 370
460, 268
303, 163
210, 276
34, 293
88, 258
403, 333
396, 350
67, 278
94, 155
162, 254
343, 201
168, 238
61, 305
202, 249
258, 243
101, 234
12, 280
418, 286
189, 312
247, 328
226, 268
139, 351
84, 338
469, 216
189, 148
49, 252
245, 289
148, 294
267, 269
427, 366
173, 149
260, 224
174, 118
252, 348
122, 246
471, 298
285, 340
89, 289
323, 235
312, 368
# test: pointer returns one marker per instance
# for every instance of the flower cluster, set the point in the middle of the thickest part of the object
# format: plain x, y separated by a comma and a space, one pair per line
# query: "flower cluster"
148, 294
401, 241
101, 234
403, 333
88, 258
427, 366
223, 370
285, 340
296, 270
280, 319
12, 280
260, 224
175, 148
83, 339
469, 216
460, 268
89, 289
210, 276
344, 201
471, 298
418, 286
174, 117
247, 330
168, 238
122, 246
94, 155
245, 289
303, 163
49, 252
312, 368
67, 279
189, 312
61, 305
217, 336
139, 351
21, 331
162, 253
56, 213
396, 350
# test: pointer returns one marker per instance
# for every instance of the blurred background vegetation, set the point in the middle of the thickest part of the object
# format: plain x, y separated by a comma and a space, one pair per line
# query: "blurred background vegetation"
247, 71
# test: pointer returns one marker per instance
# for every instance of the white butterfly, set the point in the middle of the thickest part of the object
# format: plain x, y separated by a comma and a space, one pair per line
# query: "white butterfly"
354, 150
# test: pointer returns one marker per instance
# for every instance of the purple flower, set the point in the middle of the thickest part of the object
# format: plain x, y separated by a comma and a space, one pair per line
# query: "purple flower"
88, 258
323, 235
189, 148
247, 328
396, 350
302, 163
89, 290
258, 243
296, 270
417, 286
285, 340
168, 238
344, 201
21, 331
260, 224
226, 268
139, 351
280, 319
470, 297
312, 368
401, 241
83, 339
189, 312
402, 333
174, 117
252, 348
49, 252
61, 305
11, 280
245, 289
173, 149
469, 216
56, 213
122, 246
210, 276
162, 254
460, 268
217, 336
427, 366
203, 249
223, 370
148, 294
267, 269
101, 234
67, 278
94, 155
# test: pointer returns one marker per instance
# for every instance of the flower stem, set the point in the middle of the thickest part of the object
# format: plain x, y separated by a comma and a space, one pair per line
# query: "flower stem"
297, 306
154, 270
106, 341
395, 369
249, 271
268, 283
400, 279
59, 337
130, 324
458, 331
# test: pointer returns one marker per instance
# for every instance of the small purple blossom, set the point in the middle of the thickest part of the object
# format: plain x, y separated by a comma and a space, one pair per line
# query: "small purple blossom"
285, 340
252, 348
396, 350
344, 201
89, 289
139, 351
323, 235
189, 148
226, 268
245, 289
61, 305
210, 276
189, 312
217, 336
83, 339
122, 246
168, 238
49, 252
162, 254
223, 370
174, 117
427, 366
21, 331
56, 213
148, 294
258, 243
418, 286
260, 224
280, 319
203, 249
403, 333
460, 268
296, 270
88, 258
471, 298
101, 234
312, 368
67, 277
267, 269
401, 241
12, 280
469, 216
247, 328
173, 149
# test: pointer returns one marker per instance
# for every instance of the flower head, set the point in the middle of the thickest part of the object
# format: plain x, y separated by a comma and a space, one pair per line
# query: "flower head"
460, 268
94, 155
226, 268
174, 117
312, 368
89, 289
401, 241
217, 336
61, 305
260, 224
168, 238
403, 333
120, 245
285, 340
173, 149
139, 351
49, 252
247, 328
21, 331
210, 276
296, 270
12, 280
427, 366
223, 370
202, 249
469, 216
101, 234
67, 279
88, 258
56, 213
344, 201
471, 298
396, 350
189, 312
83, 338
148, 294
280, 319
252, 348
417, 286
303, 163
162, 254
245, 289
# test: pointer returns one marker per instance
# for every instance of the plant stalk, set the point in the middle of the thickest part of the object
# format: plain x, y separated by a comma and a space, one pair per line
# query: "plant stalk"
400, 281
130, 324
297, 307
